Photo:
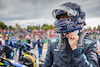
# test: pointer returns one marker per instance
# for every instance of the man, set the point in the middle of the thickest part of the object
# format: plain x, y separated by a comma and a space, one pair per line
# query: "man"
6, 40
5, 49
28, 39
20, 45
73, 48
40, 45
98, 43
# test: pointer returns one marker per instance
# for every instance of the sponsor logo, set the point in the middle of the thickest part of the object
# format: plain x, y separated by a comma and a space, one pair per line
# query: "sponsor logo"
57, 50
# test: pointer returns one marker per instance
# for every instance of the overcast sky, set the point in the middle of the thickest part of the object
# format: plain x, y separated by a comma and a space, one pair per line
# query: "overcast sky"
35, 12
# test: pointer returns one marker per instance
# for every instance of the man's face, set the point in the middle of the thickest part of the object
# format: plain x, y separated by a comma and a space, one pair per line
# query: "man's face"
64, 16
6, 38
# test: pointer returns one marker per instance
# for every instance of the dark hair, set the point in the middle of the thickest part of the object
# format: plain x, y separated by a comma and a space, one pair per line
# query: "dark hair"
20, 36
12, 34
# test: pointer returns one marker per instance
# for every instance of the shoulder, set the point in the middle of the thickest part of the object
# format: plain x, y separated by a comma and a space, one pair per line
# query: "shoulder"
54, 40
18, 41
27, 44
90, 45
6, 46
14, 39
52, 43
89, 42
1, 39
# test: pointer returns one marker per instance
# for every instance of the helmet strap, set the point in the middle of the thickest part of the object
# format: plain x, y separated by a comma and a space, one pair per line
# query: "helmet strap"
65, 35
82, 36
61, 44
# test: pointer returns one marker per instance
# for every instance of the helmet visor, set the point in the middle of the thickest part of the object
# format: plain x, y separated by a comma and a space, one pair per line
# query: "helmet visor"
68, 10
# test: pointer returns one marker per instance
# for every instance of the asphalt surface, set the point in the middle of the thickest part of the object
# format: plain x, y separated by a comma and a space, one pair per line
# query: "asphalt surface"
35, 51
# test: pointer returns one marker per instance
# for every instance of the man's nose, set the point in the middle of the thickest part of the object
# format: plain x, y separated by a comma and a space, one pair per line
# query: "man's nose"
62, 18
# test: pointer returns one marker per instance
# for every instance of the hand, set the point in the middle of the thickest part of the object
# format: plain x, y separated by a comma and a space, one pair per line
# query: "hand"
41, 45
14, 49
73, 39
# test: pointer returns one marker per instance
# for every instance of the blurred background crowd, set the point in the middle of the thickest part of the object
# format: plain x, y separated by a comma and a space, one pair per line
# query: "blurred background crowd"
33, 35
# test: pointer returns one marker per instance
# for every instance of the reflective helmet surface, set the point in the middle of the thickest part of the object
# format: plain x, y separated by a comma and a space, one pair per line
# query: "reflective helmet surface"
76, 20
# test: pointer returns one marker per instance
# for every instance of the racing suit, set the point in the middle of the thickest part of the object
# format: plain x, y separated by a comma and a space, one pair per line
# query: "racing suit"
6, 49
86, 57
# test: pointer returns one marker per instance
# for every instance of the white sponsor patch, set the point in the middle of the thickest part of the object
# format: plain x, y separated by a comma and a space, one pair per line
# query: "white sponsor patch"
57, 50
